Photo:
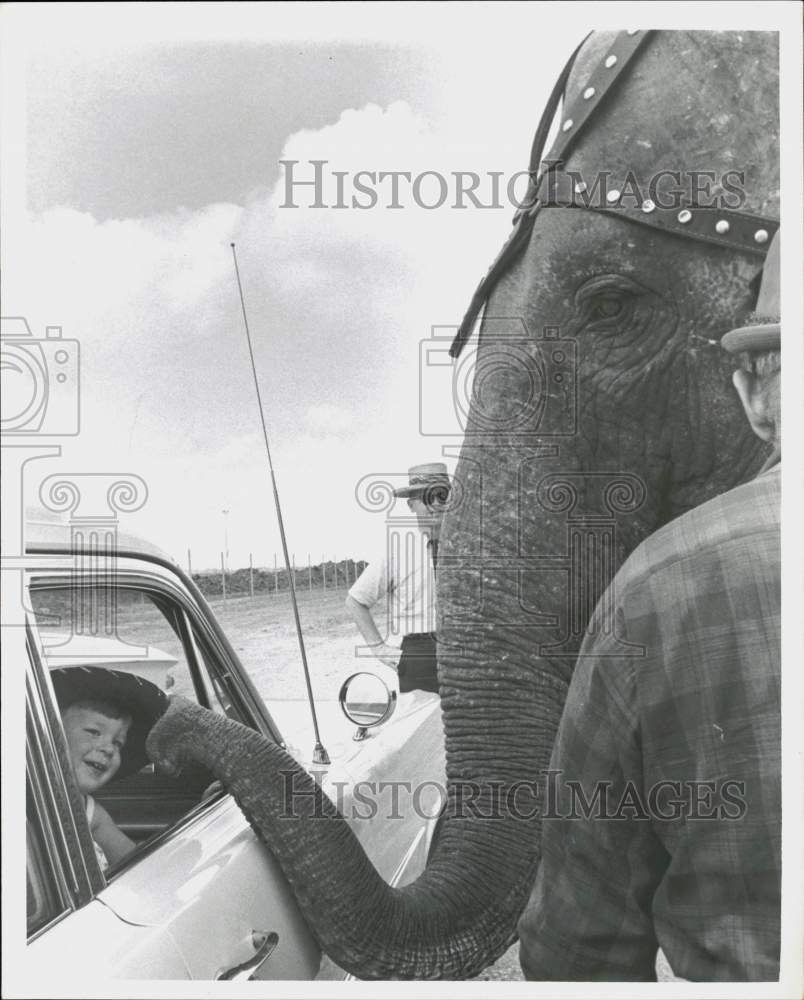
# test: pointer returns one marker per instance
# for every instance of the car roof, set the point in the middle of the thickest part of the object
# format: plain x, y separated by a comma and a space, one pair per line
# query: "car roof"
44, 532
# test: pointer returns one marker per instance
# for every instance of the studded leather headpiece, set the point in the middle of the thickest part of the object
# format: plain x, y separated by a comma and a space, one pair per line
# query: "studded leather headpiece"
725, 227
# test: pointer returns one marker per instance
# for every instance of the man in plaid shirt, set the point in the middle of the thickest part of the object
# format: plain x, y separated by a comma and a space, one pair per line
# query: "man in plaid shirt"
663, 815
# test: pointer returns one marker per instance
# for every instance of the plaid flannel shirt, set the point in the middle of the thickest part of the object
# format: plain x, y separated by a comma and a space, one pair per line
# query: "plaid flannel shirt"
680, 741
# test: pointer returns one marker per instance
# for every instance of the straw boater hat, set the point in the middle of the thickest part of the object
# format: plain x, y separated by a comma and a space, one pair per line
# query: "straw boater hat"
766, 333
432, 476
135, 696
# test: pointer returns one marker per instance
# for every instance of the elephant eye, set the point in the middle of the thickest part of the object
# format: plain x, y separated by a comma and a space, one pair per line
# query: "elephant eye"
606, 310
612, 305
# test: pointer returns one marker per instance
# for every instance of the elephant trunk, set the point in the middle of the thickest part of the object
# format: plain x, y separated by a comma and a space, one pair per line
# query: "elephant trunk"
455, 919
501, 703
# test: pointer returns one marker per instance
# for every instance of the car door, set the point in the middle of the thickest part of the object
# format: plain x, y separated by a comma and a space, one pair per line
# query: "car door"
200, 897
390, 786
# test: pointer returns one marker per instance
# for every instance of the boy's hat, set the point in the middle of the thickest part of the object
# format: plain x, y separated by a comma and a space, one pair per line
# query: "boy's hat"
135, 696
762, 336
423, 478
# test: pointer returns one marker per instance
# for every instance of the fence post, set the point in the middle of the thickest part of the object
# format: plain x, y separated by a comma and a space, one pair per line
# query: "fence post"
223, 579
189, 564
335, 570
250, 575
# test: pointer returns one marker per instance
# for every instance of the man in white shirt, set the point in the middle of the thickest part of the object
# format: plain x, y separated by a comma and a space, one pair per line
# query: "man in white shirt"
403, 579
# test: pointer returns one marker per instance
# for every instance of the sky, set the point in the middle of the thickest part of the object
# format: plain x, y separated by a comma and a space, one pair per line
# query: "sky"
147, 140
138, 141
147, 156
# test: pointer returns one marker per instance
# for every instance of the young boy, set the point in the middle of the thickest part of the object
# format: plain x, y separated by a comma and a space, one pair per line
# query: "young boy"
106, 715
96, 733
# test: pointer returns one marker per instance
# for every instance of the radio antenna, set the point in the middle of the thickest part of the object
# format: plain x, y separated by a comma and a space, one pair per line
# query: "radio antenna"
320, 755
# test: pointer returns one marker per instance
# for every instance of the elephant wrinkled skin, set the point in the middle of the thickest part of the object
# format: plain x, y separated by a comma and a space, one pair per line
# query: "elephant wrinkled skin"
646, 428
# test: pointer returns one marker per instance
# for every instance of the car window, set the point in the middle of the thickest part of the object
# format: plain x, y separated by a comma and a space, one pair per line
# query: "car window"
43, 901
148, 633
144, 629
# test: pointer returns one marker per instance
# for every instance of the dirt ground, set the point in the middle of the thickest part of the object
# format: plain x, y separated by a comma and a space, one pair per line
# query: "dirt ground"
263, 633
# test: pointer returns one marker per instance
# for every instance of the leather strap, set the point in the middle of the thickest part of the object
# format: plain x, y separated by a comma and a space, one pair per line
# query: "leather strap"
619, 56
553, 101
726, 227
511, 249
723, 227
602, 81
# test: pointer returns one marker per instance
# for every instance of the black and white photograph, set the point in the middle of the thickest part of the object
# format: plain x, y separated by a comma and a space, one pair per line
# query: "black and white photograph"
401, 582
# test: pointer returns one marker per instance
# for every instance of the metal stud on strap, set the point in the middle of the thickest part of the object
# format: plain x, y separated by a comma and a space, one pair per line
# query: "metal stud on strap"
724, 227
601, 82
738, 230
623, 49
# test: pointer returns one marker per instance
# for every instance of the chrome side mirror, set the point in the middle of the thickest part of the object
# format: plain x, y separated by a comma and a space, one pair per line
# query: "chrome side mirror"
365, 700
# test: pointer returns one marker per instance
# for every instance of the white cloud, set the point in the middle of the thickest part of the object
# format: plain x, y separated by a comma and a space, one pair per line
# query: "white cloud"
337, 301
326, 419
373, 141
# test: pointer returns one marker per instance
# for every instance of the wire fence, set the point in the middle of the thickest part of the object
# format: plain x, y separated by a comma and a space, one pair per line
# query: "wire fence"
328, 574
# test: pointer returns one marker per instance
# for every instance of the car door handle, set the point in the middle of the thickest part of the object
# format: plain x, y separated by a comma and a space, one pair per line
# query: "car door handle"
263, 943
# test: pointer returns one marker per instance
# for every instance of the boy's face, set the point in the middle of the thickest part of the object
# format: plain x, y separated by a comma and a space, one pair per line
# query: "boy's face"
95, 742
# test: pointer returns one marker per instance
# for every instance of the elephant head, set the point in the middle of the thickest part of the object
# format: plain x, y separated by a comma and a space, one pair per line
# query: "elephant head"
600, 410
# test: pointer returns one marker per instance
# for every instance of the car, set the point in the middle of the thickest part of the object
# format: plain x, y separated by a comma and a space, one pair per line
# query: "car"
200, 897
